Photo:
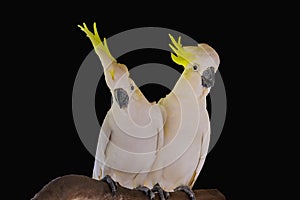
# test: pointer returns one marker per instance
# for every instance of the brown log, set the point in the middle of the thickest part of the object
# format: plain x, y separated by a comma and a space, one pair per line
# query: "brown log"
77, 187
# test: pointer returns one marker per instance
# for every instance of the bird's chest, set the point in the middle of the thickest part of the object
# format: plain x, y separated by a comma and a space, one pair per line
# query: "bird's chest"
131, 136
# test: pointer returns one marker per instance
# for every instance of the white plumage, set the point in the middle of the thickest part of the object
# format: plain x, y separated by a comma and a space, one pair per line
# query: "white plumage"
143, 143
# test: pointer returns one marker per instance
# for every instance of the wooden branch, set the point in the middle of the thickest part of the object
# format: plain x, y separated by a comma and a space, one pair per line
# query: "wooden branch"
77, 187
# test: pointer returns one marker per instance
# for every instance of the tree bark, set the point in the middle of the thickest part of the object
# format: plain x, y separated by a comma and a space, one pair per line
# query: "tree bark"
77, 187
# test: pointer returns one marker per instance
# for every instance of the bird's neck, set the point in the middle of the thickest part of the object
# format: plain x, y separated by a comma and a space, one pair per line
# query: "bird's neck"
186, 89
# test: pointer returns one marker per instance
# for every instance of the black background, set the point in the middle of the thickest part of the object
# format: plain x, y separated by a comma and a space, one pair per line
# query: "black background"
50, 50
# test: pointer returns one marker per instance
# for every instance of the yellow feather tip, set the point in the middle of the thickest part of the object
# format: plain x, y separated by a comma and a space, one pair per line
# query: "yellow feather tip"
112, 74
95, 39
182, 57
179, 60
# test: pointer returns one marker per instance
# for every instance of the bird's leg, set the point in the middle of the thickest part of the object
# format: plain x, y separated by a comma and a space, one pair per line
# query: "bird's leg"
147, 191
187, 190
163, 195
112, 184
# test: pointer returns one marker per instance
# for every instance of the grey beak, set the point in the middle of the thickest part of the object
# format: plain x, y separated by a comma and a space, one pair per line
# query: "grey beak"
208, 77
121, 97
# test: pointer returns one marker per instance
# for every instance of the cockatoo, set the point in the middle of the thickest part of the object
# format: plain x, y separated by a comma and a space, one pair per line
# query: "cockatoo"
132, 131
161, 145
187, 124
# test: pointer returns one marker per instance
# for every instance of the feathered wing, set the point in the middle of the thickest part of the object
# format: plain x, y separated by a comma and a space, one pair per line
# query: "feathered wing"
203, 152
103, 140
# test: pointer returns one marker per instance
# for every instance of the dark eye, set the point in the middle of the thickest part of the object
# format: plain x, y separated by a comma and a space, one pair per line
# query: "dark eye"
195, 67
131, 87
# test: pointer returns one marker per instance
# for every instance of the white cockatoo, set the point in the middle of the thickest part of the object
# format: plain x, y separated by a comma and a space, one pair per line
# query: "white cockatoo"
161, 145
132, 131
187, 124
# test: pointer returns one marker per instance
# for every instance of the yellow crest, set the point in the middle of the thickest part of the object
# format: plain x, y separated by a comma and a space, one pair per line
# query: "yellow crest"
182, 57
98, 43
95, 39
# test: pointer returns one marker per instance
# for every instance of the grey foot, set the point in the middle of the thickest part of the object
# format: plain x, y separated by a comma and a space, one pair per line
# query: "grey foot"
146, 191
187, 190
112, 184
163, 195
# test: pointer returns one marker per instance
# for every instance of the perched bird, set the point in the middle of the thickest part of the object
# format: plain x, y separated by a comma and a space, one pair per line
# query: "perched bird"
161, 145
132, 131
187, 124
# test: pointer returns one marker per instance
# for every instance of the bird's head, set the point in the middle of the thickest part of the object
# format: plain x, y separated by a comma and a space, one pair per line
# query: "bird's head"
200, 64
123, 88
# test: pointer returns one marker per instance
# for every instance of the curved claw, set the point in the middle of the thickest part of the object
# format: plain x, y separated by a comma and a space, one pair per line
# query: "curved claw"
163, 195
187, 190
112, 184
146, 191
